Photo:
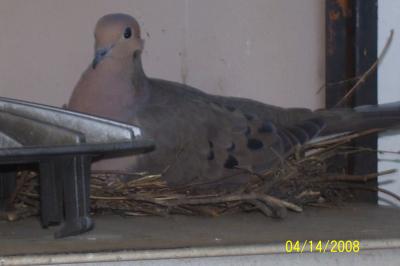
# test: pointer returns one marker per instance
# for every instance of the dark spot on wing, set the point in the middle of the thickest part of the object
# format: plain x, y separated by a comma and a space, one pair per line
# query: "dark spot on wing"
211, 155
254, 144
210, 144
249, 117
267, 127
231, 162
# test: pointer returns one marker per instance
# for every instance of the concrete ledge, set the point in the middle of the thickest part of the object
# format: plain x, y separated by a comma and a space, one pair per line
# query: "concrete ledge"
159, 239
181, 253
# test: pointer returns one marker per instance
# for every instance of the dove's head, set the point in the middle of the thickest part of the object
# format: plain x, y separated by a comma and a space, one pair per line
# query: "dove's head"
117, 36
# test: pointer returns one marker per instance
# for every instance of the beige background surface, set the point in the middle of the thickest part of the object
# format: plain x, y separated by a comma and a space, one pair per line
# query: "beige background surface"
271, 50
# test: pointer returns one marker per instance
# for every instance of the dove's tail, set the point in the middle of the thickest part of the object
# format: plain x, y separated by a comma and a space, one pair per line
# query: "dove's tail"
361, 118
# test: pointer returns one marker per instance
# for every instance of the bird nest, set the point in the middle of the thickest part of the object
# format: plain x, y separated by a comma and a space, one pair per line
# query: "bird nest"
305, 178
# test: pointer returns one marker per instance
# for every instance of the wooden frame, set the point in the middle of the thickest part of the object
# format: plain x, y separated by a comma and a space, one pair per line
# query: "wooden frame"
351, 48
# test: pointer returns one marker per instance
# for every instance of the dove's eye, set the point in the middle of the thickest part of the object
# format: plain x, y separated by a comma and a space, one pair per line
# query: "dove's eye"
127, 33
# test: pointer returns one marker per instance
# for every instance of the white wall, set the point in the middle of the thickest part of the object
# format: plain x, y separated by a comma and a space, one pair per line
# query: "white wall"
271, 50
389, 91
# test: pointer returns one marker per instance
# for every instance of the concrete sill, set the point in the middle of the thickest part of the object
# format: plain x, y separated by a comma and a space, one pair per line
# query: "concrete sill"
226, 239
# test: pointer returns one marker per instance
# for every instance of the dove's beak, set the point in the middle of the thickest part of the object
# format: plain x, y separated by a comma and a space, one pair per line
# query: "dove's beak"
99, 55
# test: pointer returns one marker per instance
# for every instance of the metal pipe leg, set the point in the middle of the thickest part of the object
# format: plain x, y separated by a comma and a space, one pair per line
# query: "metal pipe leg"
76, 179
8, 176
51, 192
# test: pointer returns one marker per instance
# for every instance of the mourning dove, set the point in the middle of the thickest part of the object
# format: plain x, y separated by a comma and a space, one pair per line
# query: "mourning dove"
198, 136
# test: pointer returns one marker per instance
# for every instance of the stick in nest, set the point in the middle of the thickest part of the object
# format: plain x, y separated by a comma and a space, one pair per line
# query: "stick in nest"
364, 76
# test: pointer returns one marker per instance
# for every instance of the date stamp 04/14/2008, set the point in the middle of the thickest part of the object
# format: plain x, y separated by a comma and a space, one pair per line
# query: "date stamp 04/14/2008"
322, 246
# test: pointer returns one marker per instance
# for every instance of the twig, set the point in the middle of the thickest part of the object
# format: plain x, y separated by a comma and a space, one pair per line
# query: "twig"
342, 139
358, 178
364, 76
377, 151
134, 197
387, 192
308, 193
286, 204
262, 207
338, 83
178, 201
376, 189
116, 172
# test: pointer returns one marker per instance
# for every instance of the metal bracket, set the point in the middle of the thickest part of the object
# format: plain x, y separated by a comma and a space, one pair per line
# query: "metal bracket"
63, 144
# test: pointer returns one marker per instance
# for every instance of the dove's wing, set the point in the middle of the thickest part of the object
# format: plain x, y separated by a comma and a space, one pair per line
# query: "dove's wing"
200, 138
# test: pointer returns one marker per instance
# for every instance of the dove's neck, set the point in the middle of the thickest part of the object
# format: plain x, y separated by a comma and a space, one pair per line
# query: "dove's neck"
139, 78
140, 83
